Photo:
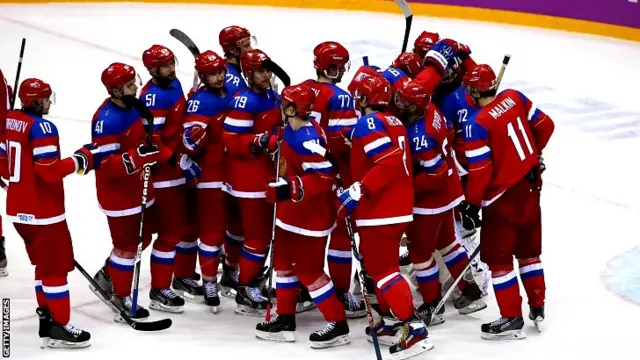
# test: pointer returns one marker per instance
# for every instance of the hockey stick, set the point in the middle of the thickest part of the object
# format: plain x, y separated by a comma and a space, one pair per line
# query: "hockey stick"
144, 112
17, 82
363, 275
408, 16
267, 315
186, 41
276, 69
503, 68
136, 325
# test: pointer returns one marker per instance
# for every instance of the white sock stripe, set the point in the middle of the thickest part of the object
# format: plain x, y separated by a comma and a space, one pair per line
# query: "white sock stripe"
504, 278
38, 282
530, 268
423, 266
453, 254
55, 289
235, 237
321, 291
287, 279
386, 279
448, 248
339, 253
163, 254
426, 272
187, 245
122, 261
208, 248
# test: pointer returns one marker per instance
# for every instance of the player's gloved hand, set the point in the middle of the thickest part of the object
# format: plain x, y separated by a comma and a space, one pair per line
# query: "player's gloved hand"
136, 159
194, 137
543, 167
284, 189
443, 55
264, 142
349, 199
470, 215
87, 158
190, 169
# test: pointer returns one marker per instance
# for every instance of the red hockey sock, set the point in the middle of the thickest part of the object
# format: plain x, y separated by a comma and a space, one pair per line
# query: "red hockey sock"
232, 246
287, 288
185, 261
324, 296
397, 293
161, 266
251, 263
507, 290
121, 272
428, 278
532, 277
340, 268
209, 260
40, 298
456, 259
56, 291
382, 303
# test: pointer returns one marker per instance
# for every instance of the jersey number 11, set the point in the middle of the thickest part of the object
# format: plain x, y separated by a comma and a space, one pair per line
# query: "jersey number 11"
516, 141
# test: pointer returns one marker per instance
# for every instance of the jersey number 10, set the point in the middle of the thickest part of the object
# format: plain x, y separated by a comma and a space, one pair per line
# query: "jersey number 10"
516, 141
14, 153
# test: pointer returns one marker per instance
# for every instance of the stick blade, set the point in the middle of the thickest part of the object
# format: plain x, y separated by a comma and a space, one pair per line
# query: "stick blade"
185, 40
151, 325
276, 69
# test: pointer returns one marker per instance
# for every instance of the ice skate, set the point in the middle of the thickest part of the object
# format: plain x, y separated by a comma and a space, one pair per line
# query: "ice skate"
249, 301
425, 312
229, 281
353, 307
279, 329
211, 298
470, 300
103, 280
332, 335
504, 329
166, 300
44, 317
411, 340
189, 289
67, 337
305, 302
126, 303
385, 330
536, 314
3, 259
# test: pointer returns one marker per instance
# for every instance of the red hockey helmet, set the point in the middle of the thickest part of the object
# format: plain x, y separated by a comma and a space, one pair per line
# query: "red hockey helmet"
157, 56
299, 96
209, 62
377, 90
479, 80
362, 73
408, 62
251, 61
232, 36
117, 74
330, 54
412, 93
424, 42
33, 90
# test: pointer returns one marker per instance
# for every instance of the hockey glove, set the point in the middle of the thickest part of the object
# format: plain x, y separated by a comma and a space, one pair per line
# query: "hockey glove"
470, 216
136, 159
190, 169
285, 189
264, 142
349, 199
86, 158
444, 54
194, 137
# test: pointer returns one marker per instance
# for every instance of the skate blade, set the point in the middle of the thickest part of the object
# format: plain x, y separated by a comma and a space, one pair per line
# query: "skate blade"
507, 335
473, 307
538, 323
156, 305
43, 342
338, 341
4, 272
305, 306
436, 320
189, 296
227, 292
249, 311
282, 336
213, 309
118, 318
387, 340
356, 314
417, 349
61, 344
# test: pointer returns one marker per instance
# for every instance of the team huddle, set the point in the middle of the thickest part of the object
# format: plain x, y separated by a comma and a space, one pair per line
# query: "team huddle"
240, 171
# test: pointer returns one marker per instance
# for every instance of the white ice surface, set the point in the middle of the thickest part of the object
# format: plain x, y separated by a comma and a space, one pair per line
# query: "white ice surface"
587, 84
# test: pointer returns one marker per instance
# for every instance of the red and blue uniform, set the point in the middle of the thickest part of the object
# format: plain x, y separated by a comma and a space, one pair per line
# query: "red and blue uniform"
457, 106
233, 79
503, 142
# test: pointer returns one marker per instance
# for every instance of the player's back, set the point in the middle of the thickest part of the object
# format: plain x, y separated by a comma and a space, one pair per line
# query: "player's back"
377, 138
333, 107
233, 79
396, 77
303, 154
501, 130
30, 198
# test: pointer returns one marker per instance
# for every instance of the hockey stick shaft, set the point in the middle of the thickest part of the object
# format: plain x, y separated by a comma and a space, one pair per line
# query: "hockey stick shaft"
17, 81
267, 314
408, 16
456, 281
503, 68
363, 276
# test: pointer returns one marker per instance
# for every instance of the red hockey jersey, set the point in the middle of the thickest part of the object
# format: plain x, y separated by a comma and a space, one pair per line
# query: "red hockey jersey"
437, 184
381, 161
250, 114
304, 155
502, 143
35, 195
4, 107
167, 107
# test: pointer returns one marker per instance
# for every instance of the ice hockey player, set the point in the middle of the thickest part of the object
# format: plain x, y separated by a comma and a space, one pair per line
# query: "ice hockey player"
35, 205
118, 131
163, 95
250, 139
305, 218
235, 41
203, 127
381, 199
424, 42
334, 111
503, 143
404, 68
438, 191
4, 107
